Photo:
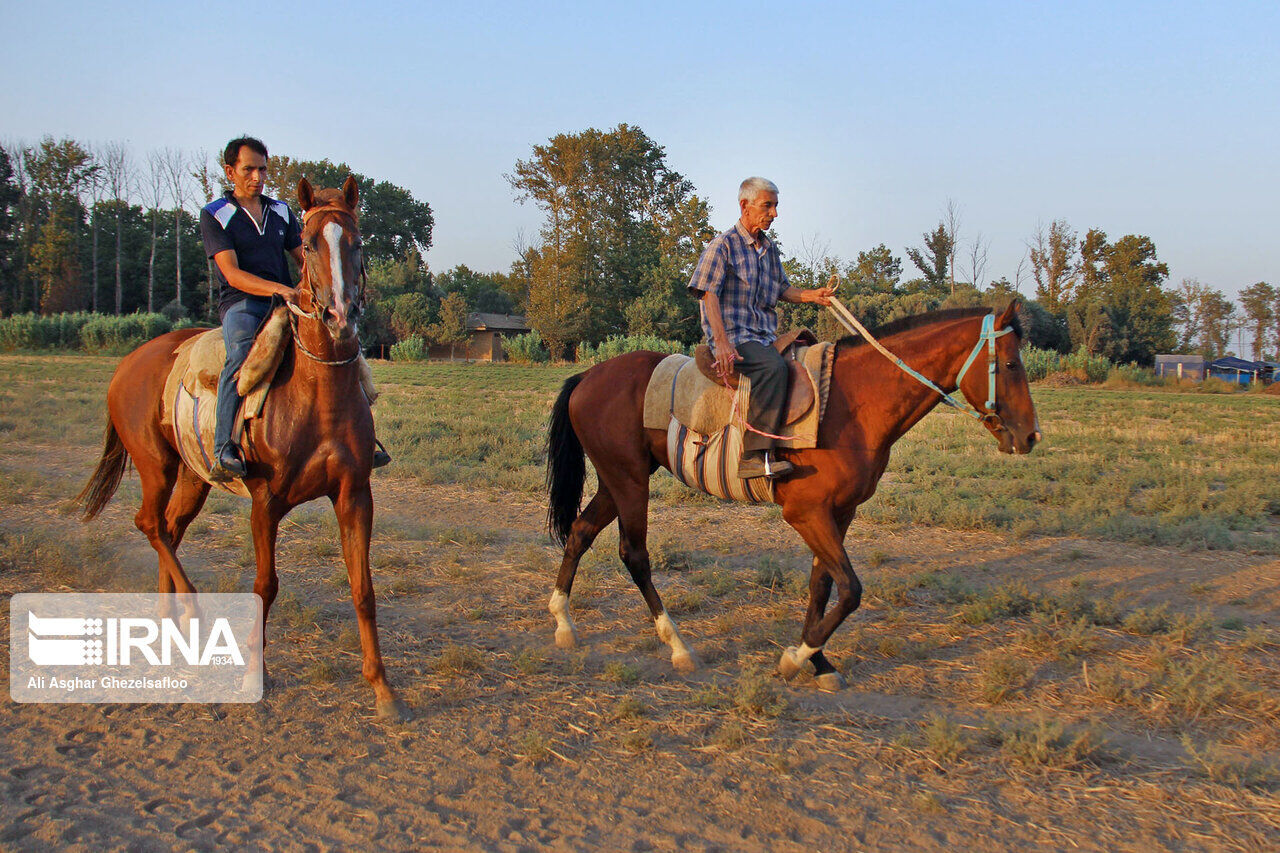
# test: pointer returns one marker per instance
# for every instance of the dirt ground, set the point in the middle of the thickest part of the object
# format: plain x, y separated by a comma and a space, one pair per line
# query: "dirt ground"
517, 745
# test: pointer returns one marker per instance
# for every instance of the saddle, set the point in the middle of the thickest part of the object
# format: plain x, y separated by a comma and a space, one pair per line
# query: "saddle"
191, 390
683, 389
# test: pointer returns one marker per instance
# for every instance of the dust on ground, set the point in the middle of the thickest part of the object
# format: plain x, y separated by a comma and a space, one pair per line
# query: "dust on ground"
517, 745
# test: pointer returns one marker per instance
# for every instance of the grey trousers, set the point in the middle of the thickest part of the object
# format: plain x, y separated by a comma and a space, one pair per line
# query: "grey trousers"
769, 388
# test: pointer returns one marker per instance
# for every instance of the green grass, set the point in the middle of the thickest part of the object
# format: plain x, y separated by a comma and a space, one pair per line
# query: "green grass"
1146, 466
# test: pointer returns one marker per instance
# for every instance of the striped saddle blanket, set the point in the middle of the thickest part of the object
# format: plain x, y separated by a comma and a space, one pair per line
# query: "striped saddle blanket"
704, 422
191, 391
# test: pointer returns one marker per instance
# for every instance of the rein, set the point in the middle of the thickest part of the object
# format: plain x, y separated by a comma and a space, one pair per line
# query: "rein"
988, 337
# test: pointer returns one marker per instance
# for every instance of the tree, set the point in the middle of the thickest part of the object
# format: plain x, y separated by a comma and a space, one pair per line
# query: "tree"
177, 172
452, 328
978, 261
1217, 322
614, 210
875, 271
1140, 312
951, 219
392, 221
1258, 303
119, 172
482, 291
1053, 265
933, 261
54, 262
154, 188
1184, 308
58, 172
10, 204
211, 183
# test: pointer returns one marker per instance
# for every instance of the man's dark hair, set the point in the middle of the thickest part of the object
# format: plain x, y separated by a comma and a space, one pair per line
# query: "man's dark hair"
232, 152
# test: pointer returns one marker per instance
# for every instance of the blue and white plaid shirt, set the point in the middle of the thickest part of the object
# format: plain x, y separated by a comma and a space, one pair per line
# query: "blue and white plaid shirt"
747, 275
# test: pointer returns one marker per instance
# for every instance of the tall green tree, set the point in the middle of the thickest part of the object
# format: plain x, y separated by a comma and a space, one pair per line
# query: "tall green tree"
59, 172
621, 227
1140, 310
392, 221
10, 202
933, 261
1258, 304
452, 330
1053, 264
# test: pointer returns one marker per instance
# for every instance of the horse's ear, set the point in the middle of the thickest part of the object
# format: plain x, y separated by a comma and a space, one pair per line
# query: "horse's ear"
351, 193
306, 195
1009, 313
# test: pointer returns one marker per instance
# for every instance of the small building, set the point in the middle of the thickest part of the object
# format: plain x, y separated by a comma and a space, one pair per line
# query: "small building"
487, 331
1181, 366
1240, 370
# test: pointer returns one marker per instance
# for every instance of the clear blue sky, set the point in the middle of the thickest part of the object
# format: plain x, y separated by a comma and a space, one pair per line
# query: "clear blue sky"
1158, 119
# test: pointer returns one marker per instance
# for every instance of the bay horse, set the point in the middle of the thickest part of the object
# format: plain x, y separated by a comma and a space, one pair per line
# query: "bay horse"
314, 438
873, 402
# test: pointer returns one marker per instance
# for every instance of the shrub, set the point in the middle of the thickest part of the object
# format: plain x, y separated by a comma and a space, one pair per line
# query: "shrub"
110, 334
616, 345
526, 349
412, 348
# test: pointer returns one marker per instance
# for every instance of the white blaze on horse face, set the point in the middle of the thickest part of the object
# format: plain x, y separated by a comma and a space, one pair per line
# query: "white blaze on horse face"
333, 235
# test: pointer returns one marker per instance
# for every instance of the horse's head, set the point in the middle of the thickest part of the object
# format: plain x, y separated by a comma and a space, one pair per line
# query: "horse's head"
1012, 418
332, 289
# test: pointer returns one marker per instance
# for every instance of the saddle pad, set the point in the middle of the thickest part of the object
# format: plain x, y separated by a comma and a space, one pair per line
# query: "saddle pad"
190, 401
679, 390
710, 464
195, 417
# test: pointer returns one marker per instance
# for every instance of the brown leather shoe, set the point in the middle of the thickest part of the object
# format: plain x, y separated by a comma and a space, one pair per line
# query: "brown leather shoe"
762, 464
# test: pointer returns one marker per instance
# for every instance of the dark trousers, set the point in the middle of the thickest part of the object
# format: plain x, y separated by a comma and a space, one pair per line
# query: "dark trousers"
770, 380
239, 326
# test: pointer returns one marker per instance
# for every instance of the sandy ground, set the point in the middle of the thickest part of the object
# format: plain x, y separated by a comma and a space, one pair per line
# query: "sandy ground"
526, 747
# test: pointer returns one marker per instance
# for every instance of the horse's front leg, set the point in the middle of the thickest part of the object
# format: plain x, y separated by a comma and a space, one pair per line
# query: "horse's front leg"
825, 536
264, 522
354, 508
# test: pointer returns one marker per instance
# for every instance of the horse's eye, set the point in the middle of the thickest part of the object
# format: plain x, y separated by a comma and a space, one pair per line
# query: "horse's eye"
1010, 365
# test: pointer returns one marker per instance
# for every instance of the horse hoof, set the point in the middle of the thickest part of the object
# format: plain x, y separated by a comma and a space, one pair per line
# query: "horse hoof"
686, 663
566, 638
789, 665
831, 682
395, 711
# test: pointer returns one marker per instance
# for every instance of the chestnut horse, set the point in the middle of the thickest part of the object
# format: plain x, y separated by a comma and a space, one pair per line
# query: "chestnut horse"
314, 438
873, 402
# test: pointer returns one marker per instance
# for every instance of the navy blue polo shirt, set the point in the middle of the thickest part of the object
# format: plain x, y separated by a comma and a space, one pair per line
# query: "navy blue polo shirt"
260, 251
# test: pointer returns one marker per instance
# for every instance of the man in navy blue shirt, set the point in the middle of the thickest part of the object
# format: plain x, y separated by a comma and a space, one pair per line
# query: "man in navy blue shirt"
247, 235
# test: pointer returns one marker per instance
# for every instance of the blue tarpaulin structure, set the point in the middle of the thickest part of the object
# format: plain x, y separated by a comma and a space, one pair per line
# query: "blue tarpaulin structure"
1241, 370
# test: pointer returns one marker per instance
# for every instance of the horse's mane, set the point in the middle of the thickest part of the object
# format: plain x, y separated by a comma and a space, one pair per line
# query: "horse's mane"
915, 321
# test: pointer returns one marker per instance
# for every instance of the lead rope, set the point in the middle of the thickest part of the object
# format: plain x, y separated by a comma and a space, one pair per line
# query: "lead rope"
988, 336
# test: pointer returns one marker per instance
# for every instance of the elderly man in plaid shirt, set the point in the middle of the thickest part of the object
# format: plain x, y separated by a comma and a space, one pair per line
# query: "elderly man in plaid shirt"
740, 279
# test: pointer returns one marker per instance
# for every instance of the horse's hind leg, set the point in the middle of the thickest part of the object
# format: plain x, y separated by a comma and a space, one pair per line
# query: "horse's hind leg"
632, 497
189, 493
158, 480
600, 511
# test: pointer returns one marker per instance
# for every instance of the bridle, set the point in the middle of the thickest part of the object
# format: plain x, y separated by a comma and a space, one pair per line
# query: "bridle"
986, 337
317, 310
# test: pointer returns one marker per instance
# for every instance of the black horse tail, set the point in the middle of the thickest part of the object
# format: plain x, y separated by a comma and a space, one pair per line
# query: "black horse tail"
106, 477
566, 466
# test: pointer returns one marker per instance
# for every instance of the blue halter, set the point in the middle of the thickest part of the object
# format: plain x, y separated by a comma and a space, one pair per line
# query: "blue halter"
956, 401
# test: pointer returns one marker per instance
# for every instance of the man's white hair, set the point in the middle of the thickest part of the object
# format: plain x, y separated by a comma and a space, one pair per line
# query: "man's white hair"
752, 187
